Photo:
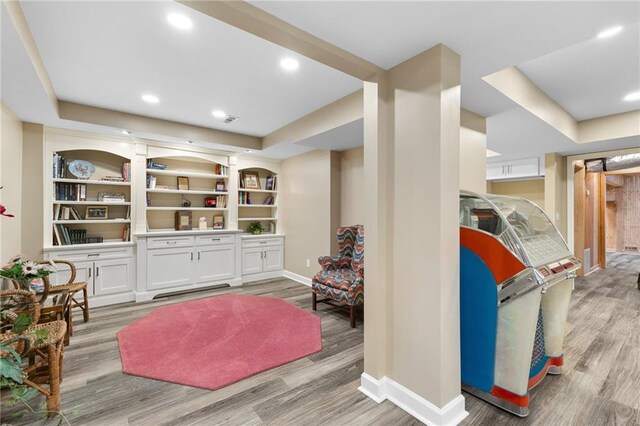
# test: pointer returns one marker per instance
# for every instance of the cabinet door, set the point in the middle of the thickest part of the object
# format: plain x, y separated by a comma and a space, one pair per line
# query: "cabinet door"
273, 259
252, 260
523, 168
84, 273
215, 263
170, 267
496, 170
113, 276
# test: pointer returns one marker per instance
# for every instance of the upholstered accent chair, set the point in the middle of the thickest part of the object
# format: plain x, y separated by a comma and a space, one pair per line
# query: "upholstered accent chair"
342, 277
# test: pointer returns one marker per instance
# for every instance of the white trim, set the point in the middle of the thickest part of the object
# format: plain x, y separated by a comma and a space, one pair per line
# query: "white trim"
385, 388
295, 277
261, 276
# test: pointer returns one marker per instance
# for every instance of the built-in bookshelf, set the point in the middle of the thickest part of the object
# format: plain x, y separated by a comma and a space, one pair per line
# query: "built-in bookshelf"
257, 198
90, 209
191, 184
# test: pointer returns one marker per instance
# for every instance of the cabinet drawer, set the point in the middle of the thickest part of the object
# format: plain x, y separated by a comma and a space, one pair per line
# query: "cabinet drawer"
168, 242
267, 242
94, 254
207, 240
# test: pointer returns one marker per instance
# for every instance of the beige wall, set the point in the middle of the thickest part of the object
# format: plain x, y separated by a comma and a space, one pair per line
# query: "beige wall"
352, 194
11, 181
32, 183
473, 160
532, 190
555, 190
305, 210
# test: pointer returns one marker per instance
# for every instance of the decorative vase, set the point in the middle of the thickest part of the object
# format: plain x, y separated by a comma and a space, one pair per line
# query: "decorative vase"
257, 232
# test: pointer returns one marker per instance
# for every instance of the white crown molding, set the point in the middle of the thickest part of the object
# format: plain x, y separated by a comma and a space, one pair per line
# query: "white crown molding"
385, 388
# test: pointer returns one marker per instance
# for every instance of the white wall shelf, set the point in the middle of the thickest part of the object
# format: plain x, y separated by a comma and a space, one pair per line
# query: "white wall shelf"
257, 190
91, 221
152, 208
187, 191
257, 205
94, 203
185, 173
256, 219
105, 244
93, 182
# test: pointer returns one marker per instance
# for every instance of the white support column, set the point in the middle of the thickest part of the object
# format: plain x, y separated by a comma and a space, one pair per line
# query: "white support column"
139, 188
232, 198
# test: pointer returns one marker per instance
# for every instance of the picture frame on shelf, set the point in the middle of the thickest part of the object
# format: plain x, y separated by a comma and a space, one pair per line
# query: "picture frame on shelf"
220, 186
183, 183
111, 197
269, 184
96, 213
251, 180
184, 220
218, 222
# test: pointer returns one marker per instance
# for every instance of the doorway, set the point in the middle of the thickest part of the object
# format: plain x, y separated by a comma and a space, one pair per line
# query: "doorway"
622, 220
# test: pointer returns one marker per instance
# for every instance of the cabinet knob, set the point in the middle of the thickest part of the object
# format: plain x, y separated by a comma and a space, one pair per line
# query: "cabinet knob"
215, 239
171, 242
93, 255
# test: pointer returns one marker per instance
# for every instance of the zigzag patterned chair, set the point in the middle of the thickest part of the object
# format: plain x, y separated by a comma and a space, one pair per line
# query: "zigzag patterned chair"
342, 276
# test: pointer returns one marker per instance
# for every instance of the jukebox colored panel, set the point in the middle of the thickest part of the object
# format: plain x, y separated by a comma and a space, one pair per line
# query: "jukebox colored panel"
478, 321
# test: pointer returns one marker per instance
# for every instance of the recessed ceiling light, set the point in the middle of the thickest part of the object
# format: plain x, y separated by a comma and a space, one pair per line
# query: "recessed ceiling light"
247, 151
219, 113
290, 64
179, 21
125, 132
635, 96
610, 32
189, 141
152, 99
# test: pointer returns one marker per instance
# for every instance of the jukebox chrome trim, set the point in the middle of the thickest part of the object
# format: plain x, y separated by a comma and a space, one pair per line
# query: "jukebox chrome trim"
517, 286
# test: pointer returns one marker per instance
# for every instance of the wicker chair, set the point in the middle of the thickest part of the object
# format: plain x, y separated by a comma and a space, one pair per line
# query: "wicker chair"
45, 354
73, 288
342, 277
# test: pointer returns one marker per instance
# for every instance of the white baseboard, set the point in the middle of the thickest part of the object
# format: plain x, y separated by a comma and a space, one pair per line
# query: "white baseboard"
385, 388
295, 277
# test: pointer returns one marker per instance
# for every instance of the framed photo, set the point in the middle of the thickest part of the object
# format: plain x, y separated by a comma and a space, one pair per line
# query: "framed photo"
183, 183
218, 222
220, 186
96, 213
183, 221
269, 183
251, 180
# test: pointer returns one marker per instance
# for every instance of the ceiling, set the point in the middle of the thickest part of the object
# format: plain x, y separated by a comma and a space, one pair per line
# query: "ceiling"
590, 79
108, 54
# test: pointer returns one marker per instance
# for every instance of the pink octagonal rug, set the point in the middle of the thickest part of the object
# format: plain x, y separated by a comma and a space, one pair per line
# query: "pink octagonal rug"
213, 342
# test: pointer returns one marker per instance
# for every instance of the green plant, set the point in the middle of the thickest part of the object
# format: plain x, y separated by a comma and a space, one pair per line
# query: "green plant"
255, 228
20, 270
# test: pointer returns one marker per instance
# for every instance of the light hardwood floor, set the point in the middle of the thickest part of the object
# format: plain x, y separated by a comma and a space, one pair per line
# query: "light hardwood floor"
601, 385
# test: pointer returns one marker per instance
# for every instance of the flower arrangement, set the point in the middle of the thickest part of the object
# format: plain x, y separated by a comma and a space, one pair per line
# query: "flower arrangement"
23, 272
3, 209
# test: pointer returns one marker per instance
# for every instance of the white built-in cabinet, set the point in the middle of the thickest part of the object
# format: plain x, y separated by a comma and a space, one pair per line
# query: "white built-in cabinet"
141, 255
108, 272
173, 261
262, 257
514, 169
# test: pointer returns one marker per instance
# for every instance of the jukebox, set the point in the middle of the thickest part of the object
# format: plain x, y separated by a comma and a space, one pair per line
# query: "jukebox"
516, 278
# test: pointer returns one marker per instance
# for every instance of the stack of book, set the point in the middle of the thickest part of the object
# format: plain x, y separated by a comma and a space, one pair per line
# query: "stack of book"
151, 182
221, 201
111, 197
66, 213
59, 165
63, 236
244, 198
126, 172
221, 170
113, 179
71, 192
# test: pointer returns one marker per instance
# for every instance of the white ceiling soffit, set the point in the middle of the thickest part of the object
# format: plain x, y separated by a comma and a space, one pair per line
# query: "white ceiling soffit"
519, 134
489, 36
108, 54
590, 79
20, 86
342, 138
